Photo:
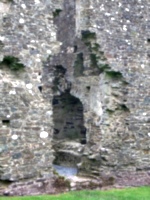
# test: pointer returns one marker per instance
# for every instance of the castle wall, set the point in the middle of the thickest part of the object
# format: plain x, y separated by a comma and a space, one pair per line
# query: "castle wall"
104, 48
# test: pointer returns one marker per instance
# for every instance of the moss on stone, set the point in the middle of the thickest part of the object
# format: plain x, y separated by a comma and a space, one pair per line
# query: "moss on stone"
95, 47
56, 12
78, 65
114, 74
87, 35
12, 63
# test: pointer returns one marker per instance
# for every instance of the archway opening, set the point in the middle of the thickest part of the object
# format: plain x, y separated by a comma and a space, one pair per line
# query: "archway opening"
69, 131
68, 118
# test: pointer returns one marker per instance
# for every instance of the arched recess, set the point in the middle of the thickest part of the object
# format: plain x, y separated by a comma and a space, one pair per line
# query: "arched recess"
68, 118
69, 135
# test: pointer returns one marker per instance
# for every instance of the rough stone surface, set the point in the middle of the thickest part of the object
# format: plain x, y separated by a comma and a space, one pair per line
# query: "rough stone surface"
98, 53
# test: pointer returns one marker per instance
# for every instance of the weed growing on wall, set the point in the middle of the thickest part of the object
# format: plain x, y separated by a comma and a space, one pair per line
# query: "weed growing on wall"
12, 63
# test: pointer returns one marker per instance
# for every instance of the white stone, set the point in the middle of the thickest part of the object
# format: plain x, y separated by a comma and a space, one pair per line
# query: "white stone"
29, 86
112, 19
144, 114
124, 27
127, 9
53, 34
38, 60
8, 116
143, 66
72, 184
149, 134
49, 51
49, 113
38, 55
21, 21
12, 92
120, 4
31, 92
36, 1
103, 149
32, 41
14, 137
23, 6
2, 38
107, 14
43, 134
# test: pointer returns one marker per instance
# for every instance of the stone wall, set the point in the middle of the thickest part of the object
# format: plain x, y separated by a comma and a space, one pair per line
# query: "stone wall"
103, 46
28, 34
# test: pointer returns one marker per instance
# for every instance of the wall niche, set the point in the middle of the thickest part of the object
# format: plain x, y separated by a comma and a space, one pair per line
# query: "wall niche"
68, 118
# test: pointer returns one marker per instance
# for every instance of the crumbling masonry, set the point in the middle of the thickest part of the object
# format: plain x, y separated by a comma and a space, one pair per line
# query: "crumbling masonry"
74, 90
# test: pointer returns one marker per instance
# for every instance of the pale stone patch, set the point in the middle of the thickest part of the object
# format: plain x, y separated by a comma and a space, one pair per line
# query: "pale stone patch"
31, 92
12, 92
4, 8
38, 60
43, 134
149, 134
2, 38
143, 66
49, 51
29, 86
14, 137
144, 114
32, 41
37, 1
124, 28
21, 21
127, 9
49, 113
70, 49
23, 6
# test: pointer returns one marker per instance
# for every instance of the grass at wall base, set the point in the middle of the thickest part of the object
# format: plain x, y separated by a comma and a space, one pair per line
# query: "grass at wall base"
140, 193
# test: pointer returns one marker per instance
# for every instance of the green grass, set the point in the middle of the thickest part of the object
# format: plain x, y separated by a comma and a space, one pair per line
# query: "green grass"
141, 193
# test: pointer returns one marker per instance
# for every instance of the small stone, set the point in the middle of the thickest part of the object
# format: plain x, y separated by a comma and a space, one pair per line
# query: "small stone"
43, 134
21, 21
49, 51
14, 137
29, 86
23, 6
36, 1
38, 60
49, 113
12, 92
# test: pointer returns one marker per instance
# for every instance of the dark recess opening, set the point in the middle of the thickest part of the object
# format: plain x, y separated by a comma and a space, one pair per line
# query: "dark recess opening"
75, 48
6, 122
40, 88
148, 40
68, 118
88, 88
